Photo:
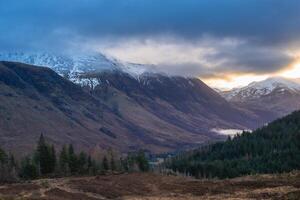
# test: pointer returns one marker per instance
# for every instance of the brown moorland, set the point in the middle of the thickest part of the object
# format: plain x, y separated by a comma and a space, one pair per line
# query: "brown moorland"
151, 186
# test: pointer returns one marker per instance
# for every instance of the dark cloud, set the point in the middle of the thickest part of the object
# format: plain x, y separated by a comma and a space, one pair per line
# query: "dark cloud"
266, 25
212, 57
264, 21
249, 58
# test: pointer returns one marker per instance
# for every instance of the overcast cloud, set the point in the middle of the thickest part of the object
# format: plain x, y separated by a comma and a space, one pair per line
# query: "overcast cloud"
190, 37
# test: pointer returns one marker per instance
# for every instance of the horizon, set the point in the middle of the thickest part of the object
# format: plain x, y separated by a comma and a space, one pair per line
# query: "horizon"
237, 83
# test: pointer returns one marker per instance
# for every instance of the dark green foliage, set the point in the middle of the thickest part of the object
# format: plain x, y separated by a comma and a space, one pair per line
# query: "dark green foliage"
52, 159
7, 167
142, 161
82, 163
136, 161
105, 166
71, 163
29, 169
72, 160
272, 149
45, 157
64, 161
44, 163
113, 166
3, 156
92, 166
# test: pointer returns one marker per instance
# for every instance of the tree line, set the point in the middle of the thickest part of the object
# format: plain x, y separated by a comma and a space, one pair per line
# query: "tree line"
45, 162
274, 148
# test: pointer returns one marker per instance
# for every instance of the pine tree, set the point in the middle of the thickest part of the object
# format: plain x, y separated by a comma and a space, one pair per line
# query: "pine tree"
142, 162
112, 162
105, 166
43, 157
64, 161
82, 163
52, 161
73, 162
90, 165
29, 170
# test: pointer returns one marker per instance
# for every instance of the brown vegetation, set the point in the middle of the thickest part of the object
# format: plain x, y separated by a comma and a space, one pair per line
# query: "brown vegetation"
152, 186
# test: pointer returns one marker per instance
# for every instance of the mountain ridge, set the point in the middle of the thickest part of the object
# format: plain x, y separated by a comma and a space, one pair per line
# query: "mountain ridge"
156, 113
262, 88
73, 66
269, 99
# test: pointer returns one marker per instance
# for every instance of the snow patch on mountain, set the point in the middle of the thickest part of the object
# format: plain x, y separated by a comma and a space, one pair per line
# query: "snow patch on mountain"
89, 82
75, 67
262, 88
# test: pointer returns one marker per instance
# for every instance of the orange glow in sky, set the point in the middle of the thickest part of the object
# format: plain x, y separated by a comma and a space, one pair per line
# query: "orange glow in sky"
234, 81
292, 71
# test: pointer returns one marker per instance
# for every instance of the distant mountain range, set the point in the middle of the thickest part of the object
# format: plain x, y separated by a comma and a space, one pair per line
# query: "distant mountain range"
99, 102
270, 99
257, 90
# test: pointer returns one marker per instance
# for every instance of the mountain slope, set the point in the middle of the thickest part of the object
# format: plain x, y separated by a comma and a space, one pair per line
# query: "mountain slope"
272, 149
262, 102
157, 113
198, 107
37, 100
269, 99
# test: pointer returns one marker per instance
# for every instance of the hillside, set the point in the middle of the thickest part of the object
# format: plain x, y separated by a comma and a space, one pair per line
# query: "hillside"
156, 113
184, 102
272, 149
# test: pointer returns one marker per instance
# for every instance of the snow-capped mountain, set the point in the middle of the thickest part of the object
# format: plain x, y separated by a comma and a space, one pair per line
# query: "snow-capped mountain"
269, 99
256, 90
75, 66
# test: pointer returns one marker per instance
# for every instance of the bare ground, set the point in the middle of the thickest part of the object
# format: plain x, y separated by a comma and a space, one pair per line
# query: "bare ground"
149, 186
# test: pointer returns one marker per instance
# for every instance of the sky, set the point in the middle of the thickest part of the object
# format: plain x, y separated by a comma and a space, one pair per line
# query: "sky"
226, 43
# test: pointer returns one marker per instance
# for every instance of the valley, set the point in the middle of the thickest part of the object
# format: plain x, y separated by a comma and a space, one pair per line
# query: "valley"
156, 112
149, 100
95, 102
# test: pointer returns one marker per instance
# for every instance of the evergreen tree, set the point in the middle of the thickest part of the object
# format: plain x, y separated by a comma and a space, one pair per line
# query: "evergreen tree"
73, 162
82, 163
44, 157
90, 166
93, 168
142, 161
29, 170
105, 166
64, 161
52, 159
112, 162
